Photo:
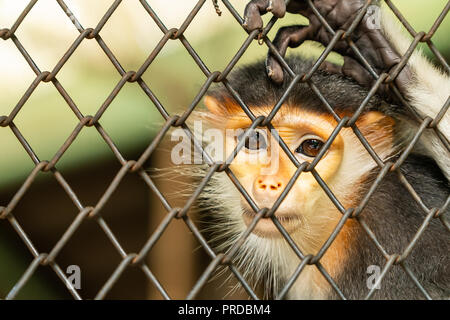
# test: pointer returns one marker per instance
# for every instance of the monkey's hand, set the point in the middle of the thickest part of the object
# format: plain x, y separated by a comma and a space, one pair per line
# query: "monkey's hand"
339, 14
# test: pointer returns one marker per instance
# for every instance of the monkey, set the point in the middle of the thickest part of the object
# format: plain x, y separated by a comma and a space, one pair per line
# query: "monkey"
307, 213
304, 124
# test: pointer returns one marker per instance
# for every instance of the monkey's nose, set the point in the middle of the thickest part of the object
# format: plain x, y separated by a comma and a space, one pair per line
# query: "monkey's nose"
267, 188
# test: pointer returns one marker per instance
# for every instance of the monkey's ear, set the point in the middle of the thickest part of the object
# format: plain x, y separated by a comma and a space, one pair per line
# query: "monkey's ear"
214, 106
377, 127
375, 119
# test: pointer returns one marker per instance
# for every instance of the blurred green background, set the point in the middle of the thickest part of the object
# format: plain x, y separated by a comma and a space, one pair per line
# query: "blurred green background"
46, 121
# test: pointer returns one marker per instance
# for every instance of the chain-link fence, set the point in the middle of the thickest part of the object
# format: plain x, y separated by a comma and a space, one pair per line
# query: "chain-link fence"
136, 166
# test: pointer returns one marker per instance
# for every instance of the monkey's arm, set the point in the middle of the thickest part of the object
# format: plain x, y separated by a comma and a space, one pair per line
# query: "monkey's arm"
425, 87
427, 91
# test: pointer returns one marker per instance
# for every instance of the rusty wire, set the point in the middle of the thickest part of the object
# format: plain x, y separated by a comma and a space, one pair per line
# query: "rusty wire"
171, 120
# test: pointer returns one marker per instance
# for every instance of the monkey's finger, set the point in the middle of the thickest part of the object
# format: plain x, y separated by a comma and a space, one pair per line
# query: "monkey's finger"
291, 37
357, 72
331, 67
299, 7
277, 7
256, 8
389, 58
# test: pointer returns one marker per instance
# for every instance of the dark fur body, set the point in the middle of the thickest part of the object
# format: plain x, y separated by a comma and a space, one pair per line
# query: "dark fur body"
392, 213
394, 217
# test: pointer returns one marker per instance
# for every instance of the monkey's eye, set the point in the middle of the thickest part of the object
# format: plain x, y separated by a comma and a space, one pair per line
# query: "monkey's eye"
255, 141
310, 147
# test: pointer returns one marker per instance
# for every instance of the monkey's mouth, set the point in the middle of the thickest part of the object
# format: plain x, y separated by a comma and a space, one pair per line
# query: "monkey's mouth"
266, 227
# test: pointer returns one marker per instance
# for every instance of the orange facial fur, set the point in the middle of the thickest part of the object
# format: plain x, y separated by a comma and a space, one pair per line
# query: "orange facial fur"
306, 212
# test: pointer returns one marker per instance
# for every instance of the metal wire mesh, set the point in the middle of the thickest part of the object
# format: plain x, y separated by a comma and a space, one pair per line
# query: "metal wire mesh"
130, 166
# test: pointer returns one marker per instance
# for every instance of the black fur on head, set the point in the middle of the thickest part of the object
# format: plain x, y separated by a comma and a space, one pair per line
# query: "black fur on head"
256, 89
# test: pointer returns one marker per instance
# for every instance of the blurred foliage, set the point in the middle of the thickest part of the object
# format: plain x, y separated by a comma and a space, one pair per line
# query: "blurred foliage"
17, 263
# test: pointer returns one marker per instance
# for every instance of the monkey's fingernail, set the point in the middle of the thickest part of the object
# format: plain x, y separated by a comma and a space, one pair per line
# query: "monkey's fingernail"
245, 23
270, 7
269, 72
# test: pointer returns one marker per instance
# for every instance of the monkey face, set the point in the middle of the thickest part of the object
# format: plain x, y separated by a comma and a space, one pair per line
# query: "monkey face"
264, 169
